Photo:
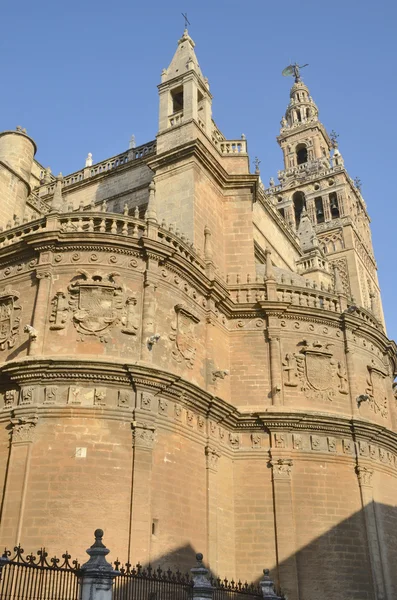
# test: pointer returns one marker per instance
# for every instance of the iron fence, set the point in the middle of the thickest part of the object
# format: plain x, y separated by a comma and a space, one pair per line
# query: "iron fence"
35, 577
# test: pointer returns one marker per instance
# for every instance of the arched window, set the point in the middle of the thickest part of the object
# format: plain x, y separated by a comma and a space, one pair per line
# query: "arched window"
334, 206
299, 202
319, 209
301, 154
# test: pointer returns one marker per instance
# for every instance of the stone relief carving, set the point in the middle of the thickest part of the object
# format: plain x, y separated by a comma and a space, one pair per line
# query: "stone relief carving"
146, 401
59, 311
282, 468
27, 395
291, 370
124, 398
234, 440
23, 428
100, 397
364, 475
96, 304
256, 440
183, 335
9, 318
143, 436
212, 456
279, 440
51, 394
297, 441
318, 373
10, 398
377, 391
163, 406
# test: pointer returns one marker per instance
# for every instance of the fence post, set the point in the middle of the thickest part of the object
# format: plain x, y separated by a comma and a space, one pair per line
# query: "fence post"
267, 587
3, 561
97, 575
202, 588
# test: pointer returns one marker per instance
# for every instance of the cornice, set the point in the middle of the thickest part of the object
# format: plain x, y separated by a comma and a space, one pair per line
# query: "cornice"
196, 148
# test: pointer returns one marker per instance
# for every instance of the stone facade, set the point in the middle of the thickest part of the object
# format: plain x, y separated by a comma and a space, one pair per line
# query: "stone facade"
197, 363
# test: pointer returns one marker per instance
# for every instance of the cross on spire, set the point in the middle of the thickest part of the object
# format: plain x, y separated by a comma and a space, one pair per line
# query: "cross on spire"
187, 22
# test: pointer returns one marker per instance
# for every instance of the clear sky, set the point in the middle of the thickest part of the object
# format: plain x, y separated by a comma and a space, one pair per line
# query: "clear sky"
82, 77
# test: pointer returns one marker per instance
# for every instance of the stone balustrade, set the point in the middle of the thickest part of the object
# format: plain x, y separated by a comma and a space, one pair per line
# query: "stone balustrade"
232, 147
308, 297
101, 167
175, 119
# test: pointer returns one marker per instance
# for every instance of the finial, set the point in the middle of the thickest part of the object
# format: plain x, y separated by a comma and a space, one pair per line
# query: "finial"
88, 160
271, 182
98, 534
199, 557
151, 212
57, 200
132, 143
257, 162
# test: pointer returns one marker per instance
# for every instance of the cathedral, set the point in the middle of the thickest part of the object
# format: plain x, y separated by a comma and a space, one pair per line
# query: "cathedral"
196, 362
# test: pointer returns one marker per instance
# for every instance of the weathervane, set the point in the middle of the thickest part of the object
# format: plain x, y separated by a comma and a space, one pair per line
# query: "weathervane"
187, 22
357, 183
294, 70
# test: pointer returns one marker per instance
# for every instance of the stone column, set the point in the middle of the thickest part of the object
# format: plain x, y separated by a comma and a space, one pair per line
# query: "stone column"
202, 588
97, 575
365, 475
285, 527
143, 432
23, 426
212, 455
326, 208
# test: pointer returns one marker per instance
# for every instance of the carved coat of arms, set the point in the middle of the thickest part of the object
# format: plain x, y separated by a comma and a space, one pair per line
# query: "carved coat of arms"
9, 318
320, 376
97, 303
377, 391
183, 334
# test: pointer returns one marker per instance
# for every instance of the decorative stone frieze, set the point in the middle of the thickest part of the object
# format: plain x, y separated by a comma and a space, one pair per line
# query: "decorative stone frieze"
146, 401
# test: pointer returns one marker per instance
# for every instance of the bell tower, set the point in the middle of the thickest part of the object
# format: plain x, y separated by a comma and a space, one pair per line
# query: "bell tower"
184, 91
315, 182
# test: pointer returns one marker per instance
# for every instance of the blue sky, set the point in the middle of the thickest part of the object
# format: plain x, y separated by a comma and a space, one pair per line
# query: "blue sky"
82, 77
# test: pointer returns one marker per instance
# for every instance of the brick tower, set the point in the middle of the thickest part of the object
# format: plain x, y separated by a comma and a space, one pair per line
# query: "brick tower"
197, 363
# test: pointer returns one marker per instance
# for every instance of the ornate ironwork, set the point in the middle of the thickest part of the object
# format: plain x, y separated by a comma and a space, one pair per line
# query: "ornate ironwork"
37, 577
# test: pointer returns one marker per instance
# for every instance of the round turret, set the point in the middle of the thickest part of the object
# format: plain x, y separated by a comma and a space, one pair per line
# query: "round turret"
16, 159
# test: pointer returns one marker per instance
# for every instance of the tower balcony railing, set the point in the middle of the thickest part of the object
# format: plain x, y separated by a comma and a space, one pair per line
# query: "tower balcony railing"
102, 167
232, 147
175, 119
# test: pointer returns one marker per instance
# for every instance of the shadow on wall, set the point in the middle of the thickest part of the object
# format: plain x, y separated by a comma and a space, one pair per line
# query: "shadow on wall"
355, 560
